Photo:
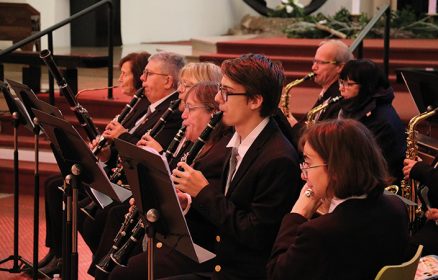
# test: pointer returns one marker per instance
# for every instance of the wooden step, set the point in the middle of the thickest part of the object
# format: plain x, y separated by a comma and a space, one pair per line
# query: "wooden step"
26, 175
28, 142
412, 49
7, 127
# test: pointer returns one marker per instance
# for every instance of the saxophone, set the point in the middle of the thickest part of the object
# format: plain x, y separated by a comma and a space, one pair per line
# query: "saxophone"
313, 113
284, 100
409, 189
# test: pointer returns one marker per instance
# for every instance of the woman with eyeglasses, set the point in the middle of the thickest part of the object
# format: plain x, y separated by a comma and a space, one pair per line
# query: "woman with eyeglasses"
368, 98
364, 229
199, 107
191, 74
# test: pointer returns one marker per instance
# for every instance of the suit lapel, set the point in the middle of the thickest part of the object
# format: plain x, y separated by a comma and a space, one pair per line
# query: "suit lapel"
250, 156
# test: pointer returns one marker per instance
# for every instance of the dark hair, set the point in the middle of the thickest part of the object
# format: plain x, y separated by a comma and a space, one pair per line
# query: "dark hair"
367, 74
355, 163
205, 93
138, 63
260, 76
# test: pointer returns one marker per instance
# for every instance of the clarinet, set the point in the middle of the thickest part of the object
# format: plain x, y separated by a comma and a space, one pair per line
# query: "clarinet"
81, 113
163, 119
153, 132
121, 118
175, 143
106, 264
120, 257
190, 157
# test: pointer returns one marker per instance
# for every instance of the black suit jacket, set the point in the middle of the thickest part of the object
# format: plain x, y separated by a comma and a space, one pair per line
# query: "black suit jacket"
171, 127
139, 109
263, 189
427, 175
353, 242
164, 137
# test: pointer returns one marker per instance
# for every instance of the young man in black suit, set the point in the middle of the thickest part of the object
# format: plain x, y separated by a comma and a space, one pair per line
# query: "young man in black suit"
261, 178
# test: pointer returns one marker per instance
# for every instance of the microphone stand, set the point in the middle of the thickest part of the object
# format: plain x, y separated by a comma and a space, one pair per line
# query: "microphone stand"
16, 258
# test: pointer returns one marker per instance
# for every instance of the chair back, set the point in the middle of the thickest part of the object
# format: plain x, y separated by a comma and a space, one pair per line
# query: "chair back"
404, 271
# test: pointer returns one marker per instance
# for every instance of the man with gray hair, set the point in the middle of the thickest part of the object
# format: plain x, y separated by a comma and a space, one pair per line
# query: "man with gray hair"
330, 58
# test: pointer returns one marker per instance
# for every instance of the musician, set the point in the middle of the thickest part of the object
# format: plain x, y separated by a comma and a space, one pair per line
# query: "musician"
364, 229
248, 206
199, 106
160, 79
131, 67
190, 74
368, 98
425, 174
330, 58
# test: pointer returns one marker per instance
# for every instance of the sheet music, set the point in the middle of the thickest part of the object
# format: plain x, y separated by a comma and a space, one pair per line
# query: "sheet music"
105, 200
417, 111
203, 254
174, 239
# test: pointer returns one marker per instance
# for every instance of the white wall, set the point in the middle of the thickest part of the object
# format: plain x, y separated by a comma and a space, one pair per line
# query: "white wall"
153, 21
171, 20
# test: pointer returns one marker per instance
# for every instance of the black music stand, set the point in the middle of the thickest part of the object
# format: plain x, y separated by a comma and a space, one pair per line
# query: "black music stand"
155, 196
423, 87
85, 169
21, 116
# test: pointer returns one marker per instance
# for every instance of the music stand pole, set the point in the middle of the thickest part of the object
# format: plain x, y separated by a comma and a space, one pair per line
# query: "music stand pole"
70, 250
152, 216
16, 268
67, 228
76, 172
36, 202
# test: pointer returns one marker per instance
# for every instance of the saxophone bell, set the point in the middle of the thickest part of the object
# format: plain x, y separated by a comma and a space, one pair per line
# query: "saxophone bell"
284, 100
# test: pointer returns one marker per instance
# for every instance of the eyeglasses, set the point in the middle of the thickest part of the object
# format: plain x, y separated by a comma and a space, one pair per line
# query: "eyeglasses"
190, 108
324, 62
347, 84
304, 166
225, 93
147, 73
184, 86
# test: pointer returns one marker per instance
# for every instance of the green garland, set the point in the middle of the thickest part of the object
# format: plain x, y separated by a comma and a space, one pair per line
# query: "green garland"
404, 24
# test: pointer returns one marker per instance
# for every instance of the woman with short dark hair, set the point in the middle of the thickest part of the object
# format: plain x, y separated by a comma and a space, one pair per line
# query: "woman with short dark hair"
368, 98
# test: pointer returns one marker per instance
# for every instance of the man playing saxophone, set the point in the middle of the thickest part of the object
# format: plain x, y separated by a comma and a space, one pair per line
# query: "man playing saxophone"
328, 62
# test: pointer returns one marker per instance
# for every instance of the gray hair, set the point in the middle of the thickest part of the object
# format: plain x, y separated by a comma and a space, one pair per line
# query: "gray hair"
172, 63
343, 53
